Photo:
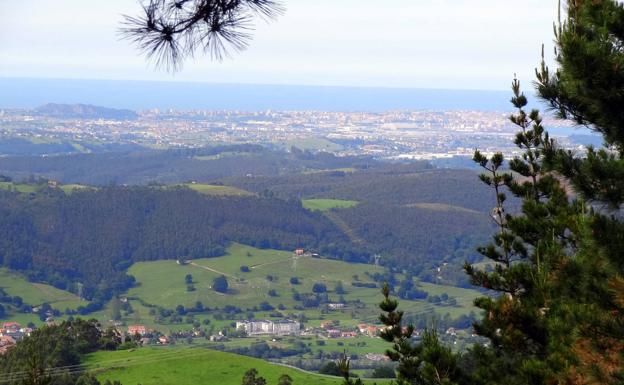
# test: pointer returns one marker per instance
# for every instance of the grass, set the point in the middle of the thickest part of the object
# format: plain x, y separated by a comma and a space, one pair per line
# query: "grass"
69, 188
23, 188
31, 188
37, 293
327, 204
314, 144
162, 283
209, 189
191, 366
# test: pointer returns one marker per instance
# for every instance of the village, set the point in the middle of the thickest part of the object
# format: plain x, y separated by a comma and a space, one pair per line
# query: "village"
10, 333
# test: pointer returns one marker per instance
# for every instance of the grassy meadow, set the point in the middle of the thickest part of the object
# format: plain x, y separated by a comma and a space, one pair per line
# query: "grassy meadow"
191, 366
209, 189
37, 293
327, 204
15, 284
162, 283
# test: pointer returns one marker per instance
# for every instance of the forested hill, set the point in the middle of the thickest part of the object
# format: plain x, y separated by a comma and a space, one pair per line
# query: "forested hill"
92, 237
175, 166
416, 219
396, 184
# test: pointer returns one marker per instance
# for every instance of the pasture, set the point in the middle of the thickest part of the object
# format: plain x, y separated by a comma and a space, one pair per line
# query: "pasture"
190, 366
209, 189
162, 283
14, 284
327, 204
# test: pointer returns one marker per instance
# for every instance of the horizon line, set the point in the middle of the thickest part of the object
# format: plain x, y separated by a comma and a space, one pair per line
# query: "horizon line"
181, 82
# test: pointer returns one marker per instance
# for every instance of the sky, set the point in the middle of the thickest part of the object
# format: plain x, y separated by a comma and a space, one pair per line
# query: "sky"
440, 44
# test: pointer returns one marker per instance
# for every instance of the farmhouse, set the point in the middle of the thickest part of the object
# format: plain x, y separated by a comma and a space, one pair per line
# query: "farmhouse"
14, 330
334, 333
6, 343
137, 329
280, 327
163, 340
11, 326
376, 357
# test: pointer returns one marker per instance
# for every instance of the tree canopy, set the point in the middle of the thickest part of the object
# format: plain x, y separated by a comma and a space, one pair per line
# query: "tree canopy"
556, 315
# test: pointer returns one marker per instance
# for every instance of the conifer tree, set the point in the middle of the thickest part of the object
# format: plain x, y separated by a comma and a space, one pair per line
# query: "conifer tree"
558, 317
425, 363
556, 310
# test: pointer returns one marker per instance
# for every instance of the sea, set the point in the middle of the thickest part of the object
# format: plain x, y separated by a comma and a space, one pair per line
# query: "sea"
141, 95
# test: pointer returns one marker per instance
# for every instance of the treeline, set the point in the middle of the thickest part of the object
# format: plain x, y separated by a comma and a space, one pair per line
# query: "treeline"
85, 241
10, 146
172, 166
420, 240
53, 354
399, 184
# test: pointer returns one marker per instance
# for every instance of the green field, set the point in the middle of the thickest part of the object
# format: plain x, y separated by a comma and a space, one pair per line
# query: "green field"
209, 189
162, 283
190, 366
23, 188
69, 188
314, 144
36, 293
327, 204
30, 188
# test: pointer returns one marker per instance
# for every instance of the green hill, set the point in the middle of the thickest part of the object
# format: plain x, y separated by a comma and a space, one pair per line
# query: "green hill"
15, 284
191, 366
162, 283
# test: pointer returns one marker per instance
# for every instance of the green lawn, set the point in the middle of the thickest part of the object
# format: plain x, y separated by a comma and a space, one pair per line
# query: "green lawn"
35, 294
190, 366
162, 283
327, 204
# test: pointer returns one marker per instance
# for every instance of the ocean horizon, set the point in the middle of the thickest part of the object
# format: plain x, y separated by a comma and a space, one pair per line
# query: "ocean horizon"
140, 95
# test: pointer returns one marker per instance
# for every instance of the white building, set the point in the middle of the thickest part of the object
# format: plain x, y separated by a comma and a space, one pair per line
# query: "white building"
269, 327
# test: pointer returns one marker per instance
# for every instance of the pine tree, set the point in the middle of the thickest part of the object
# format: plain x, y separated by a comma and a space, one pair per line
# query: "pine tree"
556, 310
588, 87
425, 363
558, 315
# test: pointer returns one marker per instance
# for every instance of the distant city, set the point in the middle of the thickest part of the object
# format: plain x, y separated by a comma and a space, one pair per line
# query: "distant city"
444, 136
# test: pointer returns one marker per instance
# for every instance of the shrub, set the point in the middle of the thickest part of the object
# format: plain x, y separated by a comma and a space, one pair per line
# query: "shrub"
220, 284
319, 288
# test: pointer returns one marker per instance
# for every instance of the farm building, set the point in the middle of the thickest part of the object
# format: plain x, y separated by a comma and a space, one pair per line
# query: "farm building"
137, 329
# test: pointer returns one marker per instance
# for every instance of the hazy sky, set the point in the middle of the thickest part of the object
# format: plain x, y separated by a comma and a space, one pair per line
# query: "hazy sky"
467, 44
